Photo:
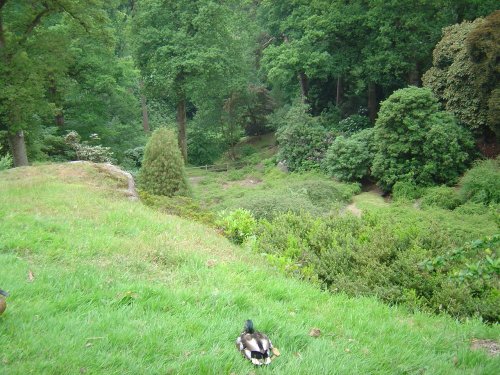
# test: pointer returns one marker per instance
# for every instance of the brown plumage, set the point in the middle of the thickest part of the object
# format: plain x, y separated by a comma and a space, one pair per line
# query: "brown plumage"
3, 304
255, 346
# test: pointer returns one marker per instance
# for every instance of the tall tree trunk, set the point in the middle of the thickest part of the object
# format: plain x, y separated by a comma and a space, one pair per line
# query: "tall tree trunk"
145, 118
18, 148
338, 99
16, 141
144, 105
181, 123
372, 101
304, 86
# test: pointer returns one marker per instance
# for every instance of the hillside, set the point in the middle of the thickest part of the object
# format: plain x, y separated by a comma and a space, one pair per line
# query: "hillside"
103, 284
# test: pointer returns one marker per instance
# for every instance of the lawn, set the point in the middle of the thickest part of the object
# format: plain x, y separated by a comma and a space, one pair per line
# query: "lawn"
100, 284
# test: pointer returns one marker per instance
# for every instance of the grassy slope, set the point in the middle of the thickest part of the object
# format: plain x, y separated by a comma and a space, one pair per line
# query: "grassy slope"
119, 288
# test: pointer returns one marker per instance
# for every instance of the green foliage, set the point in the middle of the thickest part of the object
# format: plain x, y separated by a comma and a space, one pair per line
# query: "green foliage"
406, 191
415, 141
353, 124
162, 171
464, 74
133, 157
277, 202
84, 151
481, 184
185, 207
377, 255
474, 271
237, 225
302, 140
5, 161
350, 158
441, 196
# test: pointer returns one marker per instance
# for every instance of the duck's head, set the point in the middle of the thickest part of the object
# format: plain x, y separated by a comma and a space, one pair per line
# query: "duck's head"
249, 326
4, 293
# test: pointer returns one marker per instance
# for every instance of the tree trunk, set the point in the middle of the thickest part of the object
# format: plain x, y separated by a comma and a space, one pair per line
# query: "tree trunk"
181, 123
372, 101
55, 98
144, 105
304, 86
18, 148
338, 99
16, 141
413, 76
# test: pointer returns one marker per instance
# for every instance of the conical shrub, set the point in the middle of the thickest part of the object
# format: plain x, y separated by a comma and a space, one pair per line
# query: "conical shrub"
162, 171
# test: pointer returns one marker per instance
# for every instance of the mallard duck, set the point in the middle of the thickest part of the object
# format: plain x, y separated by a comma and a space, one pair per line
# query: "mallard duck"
3, 304
255, 346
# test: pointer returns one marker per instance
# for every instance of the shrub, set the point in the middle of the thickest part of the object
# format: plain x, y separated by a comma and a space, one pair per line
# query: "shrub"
415, 141
481, 184
399, 262
315, 197
442, 197
353, 124
406, 191
5, 161
237, 225
180, 206
84, 151
350, 159
204, 146
133, 157
302, 141
162, 171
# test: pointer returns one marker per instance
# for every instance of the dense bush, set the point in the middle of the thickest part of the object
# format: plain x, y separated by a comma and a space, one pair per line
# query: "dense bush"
272, 204
5, 161
85, 151
353, 124
162, 171
378, 255
180, 206
350, 159
471, 278
204, 146
237, 225
132, 158
481, 184
314, 197
441, 196
406, 191
415, 141
302, 140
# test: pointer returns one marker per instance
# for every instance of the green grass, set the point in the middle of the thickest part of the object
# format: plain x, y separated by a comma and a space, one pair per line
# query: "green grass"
120, 288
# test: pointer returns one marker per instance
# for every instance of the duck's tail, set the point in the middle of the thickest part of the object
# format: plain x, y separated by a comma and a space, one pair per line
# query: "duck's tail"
4, 293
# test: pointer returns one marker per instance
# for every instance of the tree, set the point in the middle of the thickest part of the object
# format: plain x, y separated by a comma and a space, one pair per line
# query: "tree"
188, 52
464, 75
415, 141
162, 171
32, 62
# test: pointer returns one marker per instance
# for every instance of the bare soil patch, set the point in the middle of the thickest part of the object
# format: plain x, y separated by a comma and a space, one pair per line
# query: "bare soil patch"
491, 347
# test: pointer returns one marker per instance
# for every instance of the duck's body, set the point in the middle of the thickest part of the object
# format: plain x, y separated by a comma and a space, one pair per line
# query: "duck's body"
255, 346
3, 304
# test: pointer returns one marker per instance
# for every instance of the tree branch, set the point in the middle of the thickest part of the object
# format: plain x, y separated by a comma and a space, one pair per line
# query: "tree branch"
34, 23
73, 15
2, 3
